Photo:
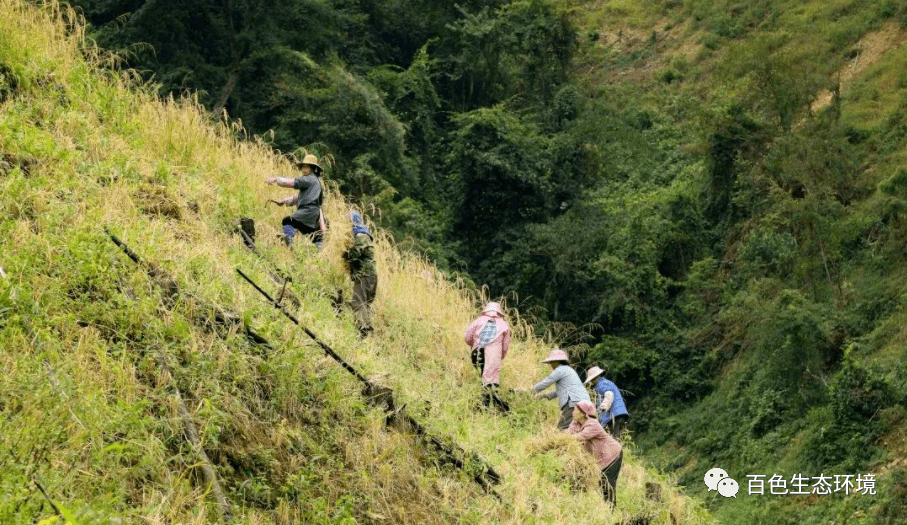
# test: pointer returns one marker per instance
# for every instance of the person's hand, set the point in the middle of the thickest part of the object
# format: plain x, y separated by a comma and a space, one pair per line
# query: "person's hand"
539, 395
272, 180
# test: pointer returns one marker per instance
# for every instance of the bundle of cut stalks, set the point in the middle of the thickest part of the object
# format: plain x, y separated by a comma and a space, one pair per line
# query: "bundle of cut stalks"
577, 467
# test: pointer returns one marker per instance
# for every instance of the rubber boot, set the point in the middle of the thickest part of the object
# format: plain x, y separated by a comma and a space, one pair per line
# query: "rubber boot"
492, 399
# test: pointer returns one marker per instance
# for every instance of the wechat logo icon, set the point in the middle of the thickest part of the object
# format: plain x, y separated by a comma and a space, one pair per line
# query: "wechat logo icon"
728, 488
712, 478
717, 479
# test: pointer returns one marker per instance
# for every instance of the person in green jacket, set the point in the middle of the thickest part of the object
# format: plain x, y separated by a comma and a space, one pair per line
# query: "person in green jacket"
360, 258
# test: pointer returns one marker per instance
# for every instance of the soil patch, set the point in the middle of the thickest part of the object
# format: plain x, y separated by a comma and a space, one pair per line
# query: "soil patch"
869, 50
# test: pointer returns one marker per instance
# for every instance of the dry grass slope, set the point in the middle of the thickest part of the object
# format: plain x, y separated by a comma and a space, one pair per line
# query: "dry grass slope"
90, 415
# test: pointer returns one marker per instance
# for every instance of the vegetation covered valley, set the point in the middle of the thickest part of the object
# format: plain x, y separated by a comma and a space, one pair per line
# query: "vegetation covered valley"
707, 198
157, 386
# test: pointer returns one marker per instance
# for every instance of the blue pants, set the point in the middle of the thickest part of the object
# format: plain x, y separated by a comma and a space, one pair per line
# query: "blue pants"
290, 225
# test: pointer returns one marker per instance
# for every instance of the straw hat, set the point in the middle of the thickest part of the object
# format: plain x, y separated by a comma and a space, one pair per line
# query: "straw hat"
311, 160
592, 373
586, 407
492, 309
557, 355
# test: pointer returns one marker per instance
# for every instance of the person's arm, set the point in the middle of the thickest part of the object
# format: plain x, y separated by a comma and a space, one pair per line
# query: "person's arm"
353, 252
606, 403
283, 182
288, 201
470, 336
588, 432
505, 343
573, 428
548, 381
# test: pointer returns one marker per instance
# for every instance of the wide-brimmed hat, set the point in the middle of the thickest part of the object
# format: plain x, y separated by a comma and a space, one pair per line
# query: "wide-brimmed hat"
592, 373
493, 308
586, 407
311, 160
557, 355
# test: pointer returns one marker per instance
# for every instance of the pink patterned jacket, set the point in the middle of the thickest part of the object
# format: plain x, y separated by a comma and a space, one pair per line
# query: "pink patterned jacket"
502, 339
494, 351
598, 442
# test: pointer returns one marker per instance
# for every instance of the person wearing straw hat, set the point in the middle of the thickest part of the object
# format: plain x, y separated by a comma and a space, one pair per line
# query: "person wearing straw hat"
614, 415
360, 259
489, 338
568, 387
307, 218
607, 451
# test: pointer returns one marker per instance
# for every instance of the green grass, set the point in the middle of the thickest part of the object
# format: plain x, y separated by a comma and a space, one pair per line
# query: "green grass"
711, 37
89, 414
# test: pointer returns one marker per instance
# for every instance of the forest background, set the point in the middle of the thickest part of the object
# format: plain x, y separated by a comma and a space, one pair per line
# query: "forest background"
707, 198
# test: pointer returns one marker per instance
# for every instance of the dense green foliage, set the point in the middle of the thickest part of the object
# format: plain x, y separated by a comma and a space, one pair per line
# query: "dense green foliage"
737, 248
389, 88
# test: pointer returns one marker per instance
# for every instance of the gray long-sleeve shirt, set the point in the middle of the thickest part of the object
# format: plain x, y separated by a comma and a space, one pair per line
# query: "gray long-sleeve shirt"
568, 387
308, 202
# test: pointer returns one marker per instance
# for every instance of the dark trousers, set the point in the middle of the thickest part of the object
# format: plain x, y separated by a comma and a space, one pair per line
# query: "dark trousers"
609, 479
490, 398
617, 424
489, 394
317, 234
478, 358
566, 417
364, 290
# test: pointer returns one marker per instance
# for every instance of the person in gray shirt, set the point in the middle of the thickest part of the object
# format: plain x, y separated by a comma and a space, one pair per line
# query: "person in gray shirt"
568, 387
307, 218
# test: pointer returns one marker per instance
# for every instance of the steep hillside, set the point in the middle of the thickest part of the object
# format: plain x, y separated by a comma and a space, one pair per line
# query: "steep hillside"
145, 393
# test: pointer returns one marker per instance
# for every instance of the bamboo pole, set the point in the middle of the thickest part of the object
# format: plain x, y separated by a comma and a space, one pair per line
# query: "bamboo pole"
171, 291
191, 431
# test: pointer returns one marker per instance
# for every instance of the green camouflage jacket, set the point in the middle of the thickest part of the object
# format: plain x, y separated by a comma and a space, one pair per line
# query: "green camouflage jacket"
361, 257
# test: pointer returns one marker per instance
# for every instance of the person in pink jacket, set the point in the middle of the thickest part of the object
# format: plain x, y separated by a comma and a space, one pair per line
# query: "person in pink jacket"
607, 451
489, 338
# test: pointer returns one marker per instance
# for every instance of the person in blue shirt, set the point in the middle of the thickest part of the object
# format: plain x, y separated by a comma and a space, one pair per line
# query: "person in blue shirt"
610, 403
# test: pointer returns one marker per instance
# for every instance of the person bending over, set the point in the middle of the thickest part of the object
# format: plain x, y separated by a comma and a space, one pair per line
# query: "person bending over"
610, 403
607, 451
568, 388
360, 258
